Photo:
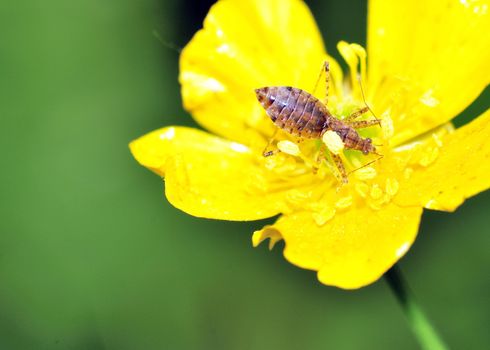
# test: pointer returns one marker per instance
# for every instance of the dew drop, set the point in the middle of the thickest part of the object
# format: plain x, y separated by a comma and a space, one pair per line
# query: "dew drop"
168, 134
238, 147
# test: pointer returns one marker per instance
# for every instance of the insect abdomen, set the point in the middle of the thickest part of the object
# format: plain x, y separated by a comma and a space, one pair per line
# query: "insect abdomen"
294, 110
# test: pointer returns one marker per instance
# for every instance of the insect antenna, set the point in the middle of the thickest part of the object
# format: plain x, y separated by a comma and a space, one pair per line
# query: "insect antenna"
167, 44
368, 163
364, 99
324, 68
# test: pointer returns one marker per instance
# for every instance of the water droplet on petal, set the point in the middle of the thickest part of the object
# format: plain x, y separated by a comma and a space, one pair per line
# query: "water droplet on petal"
168, 134
238, 147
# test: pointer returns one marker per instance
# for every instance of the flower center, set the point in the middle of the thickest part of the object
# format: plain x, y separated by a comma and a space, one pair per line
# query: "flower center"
312, 170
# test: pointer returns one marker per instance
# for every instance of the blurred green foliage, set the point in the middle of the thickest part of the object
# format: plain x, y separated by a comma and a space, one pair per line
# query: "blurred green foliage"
92, 256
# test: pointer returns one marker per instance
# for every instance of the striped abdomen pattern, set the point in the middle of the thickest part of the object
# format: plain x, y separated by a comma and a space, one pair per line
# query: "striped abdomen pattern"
295, 110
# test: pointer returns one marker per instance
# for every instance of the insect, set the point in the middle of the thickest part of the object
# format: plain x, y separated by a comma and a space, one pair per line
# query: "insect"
302, 115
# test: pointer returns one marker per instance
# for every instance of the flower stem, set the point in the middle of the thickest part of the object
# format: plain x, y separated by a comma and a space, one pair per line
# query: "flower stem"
421, 326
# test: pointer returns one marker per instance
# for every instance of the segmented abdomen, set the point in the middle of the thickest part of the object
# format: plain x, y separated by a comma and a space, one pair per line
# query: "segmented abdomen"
294, 110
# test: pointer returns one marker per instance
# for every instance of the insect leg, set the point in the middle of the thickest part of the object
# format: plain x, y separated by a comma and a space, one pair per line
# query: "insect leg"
266, 153
364, 123
356, 114
337, 160
340, 167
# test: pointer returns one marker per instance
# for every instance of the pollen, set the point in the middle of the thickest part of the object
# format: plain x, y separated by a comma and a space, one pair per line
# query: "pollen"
288, 147
333, 142
387, 125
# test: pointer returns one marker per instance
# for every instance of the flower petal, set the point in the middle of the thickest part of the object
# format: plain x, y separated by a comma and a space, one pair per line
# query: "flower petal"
247, 45
460, 170
207, 176
427, 60
352, 249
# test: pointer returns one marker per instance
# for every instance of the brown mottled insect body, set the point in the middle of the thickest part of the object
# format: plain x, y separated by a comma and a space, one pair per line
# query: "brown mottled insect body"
303, 115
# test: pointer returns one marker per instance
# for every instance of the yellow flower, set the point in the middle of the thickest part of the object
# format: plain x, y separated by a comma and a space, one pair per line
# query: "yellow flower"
427, 62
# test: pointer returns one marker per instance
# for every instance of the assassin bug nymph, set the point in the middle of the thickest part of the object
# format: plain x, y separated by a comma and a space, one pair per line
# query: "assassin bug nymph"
303, 115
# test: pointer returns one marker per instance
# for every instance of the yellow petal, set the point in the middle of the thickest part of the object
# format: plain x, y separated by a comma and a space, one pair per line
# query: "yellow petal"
352, 249
247, 45
460, 169
207, 176
427, 60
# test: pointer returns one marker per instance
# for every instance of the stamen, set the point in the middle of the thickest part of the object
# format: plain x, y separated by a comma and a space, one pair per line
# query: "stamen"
354, 54
350, 57
362, 188
344, 202
392, 186
288, 147
366, 173
324, 215
361, 53
376, 192
429, 156
387, 125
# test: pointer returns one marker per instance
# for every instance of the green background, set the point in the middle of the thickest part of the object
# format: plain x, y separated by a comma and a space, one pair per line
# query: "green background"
92, 256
